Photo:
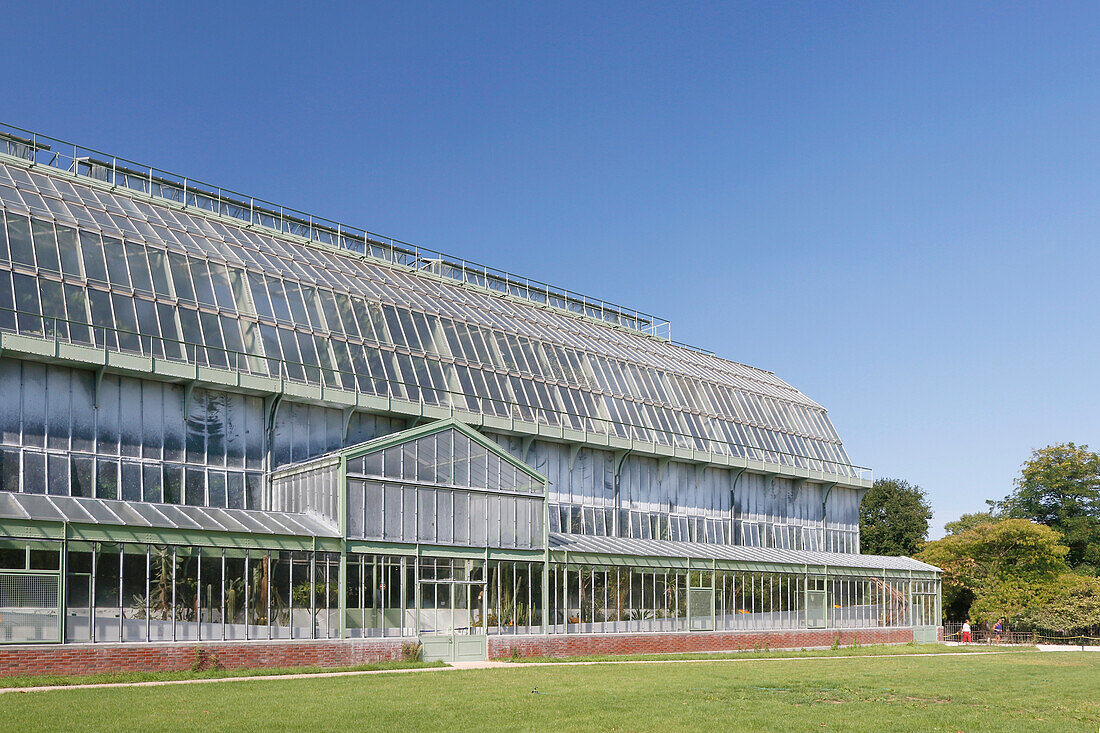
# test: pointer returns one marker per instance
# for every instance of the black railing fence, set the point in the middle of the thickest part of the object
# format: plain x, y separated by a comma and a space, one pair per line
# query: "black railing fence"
984, 634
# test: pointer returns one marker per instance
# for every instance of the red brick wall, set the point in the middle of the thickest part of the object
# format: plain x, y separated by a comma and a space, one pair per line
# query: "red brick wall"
568, 645
75, 659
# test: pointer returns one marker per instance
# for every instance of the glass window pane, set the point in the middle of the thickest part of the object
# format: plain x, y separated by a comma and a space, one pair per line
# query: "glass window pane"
116, 262
19, 240
45, 246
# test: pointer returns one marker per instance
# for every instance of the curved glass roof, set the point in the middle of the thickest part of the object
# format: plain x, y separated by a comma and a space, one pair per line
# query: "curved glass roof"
179, 283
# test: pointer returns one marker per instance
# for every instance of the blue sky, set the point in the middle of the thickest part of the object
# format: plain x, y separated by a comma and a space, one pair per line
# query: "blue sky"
892, 206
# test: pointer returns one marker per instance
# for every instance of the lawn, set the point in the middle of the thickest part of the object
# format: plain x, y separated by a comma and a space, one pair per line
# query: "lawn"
1026, 691
208, 674
847, 651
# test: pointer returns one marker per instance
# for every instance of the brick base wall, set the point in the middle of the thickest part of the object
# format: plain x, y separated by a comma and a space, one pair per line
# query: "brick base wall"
570, 645
78, 659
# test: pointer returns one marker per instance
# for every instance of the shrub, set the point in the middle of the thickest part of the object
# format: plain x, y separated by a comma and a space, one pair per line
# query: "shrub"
204, 660
410, 651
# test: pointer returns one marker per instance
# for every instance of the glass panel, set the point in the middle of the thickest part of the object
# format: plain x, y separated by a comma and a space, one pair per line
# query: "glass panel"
45, 246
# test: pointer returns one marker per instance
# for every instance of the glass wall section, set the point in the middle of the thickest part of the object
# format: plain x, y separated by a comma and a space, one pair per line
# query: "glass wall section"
638, 524
677, 501
746, 600
133, 439
443, 488
139, 592
301, 432
401, 596
617, 599
381, 595
78, 592
594, 599
312, 488
158, 281
842, 520
925, 603
895, 610
514, 597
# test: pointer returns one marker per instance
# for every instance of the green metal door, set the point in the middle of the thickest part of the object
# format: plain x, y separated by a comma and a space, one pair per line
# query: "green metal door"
449, 621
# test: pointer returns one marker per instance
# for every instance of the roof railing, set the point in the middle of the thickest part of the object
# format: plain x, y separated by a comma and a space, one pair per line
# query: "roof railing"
120, 172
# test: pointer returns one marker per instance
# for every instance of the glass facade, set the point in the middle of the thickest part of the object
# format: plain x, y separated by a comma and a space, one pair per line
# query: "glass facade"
234, 434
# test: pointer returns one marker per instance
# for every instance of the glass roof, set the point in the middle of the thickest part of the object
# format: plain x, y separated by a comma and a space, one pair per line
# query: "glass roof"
737, 553
77, 510
178, 284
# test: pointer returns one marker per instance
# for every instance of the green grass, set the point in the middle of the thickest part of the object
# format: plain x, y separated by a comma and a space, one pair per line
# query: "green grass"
849, 651
209, 674
1028, 691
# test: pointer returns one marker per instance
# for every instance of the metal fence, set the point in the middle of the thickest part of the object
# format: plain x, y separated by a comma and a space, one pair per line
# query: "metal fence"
980, 634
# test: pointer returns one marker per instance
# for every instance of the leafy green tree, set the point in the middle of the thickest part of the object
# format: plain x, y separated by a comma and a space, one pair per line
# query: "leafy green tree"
893, 518
1004, 568
969, 521
1059, 486
1074, 604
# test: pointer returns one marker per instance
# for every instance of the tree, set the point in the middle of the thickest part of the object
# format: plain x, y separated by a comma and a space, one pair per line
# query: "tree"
1059, 486
1005, 568
1075, 605
893, 518
969, 521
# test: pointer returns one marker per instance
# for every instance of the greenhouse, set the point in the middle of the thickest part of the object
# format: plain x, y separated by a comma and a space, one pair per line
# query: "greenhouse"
225, 421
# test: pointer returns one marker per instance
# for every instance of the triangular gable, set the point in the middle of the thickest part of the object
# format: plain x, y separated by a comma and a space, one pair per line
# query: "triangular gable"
463, 436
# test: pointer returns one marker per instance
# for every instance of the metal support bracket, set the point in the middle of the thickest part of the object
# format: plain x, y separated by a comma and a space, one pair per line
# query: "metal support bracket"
662, 468
825, 511
348, 412
733, 496
188, 389
620, 458
525, 447
99, 383
574, 449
